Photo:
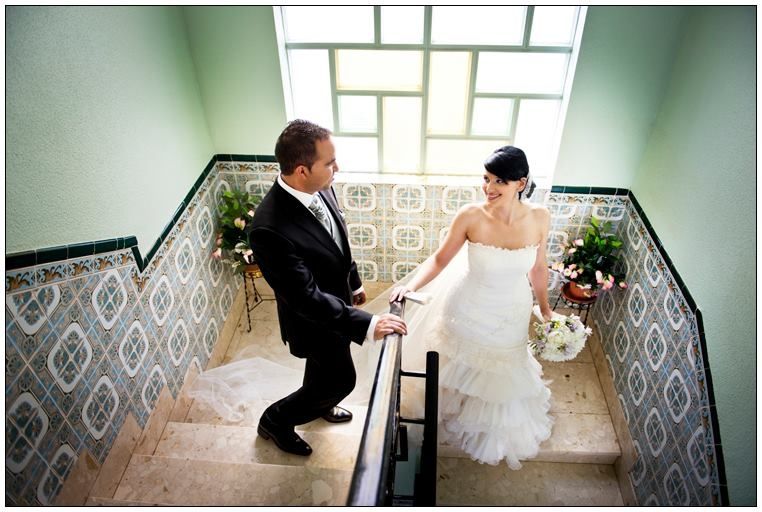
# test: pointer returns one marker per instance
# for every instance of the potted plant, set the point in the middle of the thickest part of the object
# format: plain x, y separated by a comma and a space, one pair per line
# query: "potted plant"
232, 243
590, 263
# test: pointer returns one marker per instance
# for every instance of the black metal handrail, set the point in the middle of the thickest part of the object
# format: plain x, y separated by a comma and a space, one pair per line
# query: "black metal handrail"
426, 487
370, 480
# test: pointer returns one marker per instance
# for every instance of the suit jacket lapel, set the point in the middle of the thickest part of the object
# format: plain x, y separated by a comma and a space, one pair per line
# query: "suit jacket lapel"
306, 220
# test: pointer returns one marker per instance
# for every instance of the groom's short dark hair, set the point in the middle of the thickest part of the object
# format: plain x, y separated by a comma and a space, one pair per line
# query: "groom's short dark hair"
296, 144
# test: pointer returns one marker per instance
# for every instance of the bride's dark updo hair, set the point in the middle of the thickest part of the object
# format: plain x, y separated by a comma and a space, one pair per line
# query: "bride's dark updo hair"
509, 163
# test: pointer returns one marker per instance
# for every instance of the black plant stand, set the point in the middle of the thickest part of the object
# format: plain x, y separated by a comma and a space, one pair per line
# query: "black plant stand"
251, 273
574, 303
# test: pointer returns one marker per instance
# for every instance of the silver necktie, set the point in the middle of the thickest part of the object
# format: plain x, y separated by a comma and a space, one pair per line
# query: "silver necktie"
317, 209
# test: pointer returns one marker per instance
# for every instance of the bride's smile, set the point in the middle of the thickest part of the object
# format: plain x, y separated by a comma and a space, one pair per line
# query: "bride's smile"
491, 186
495, 187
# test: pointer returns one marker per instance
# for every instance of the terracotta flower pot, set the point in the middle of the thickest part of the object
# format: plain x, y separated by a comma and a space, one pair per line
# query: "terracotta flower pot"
253, 270
576, 292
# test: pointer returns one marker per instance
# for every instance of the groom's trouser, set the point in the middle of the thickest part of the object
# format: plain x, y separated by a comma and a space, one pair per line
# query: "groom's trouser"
329, 376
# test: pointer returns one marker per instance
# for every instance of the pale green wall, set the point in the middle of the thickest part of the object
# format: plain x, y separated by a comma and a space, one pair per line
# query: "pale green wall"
236, 58
105, 127
622, 72
697, 184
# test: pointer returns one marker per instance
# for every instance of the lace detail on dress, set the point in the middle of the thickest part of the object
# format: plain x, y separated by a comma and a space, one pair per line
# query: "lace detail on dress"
530, 246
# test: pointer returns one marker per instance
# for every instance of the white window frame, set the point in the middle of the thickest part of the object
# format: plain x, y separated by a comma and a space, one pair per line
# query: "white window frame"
543, 181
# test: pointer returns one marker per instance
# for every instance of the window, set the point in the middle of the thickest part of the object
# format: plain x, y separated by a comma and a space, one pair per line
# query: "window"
431, 90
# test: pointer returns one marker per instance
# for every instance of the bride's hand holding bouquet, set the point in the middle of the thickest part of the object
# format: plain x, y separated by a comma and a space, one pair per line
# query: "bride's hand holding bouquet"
560, 338
546, 314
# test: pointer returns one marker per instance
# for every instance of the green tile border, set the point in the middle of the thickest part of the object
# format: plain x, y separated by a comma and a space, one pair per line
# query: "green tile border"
604, 191
260, 159
21, 260
83, 249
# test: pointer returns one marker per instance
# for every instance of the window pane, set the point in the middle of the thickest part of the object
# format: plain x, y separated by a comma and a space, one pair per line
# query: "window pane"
328, 24
521, 72
492, 116
385, 70
449, 77
311, 86
357, 114
478, 25
459, 156
402, 134
535, 130
553, 26
401, 25
357, 154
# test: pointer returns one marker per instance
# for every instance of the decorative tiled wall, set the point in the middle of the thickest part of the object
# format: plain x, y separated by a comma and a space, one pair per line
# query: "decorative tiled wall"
91, 338
653, 341
392, 228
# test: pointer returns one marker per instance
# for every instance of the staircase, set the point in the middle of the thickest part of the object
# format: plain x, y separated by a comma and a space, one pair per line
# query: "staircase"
200, 459
575, 467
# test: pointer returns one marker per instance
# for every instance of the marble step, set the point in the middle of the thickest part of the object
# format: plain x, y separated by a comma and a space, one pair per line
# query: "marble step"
93, 501
202, 413
189, 482
462, 482
580, 438
583, 431
242, 445
574, 388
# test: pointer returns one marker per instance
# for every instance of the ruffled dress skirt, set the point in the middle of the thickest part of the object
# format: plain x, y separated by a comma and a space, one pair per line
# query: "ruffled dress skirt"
493, 401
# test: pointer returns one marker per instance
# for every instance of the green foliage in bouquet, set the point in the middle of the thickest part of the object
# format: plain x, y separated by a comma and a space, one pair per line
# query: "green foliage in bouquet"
232, 243
591, 262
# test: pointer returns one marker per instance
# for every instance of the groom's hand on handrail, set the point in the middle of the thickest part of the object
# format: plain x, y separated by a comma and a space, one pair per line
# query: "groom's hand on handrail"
388, 324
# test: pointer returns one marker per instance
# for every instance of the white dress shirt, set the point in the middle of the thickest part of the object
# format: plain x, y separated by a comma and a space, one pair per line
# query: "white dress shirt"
305, 199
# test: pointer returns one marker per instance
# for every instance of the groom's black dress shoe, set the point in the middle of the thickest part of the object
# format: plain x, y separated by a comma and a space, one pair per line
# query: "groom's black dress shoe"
337, 415
285, 439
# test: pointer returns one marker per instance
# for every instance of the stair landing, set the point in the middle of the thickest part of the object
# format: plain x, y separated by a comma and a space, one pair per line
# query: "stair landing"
464, 482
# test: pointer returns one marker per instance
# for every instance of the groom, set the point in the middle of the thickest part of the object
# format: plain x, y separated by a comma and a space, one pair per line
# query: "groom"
300, 242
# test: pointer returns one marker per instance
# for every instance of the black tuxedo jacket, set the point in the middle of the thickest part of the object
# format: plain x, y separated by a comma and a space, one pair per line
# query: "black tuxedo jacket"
312, 279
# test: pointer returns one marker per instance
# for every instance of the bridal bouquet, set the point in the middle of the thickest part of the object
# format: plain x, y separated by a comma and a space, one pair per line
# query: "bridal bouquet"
559, 339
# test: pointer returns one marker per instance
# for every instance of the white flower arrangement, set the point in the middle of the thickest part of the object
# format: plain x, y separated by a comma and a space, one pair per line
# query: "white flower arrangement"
559, 339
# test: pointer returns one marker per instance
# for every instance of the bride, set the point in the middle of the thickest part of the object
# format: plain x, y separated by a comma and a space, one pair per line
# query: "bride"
493, 402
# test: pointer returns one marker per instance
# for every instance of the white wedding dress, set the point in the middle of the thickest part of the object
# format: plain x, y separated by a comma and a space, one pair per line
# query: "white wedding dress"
493, 402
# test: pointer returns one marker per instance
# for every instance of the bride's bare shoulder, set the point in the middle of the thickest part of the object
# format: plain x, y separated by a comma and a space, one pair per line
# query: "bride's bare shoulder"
539, 212
471, 210
538, 209
468, 215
